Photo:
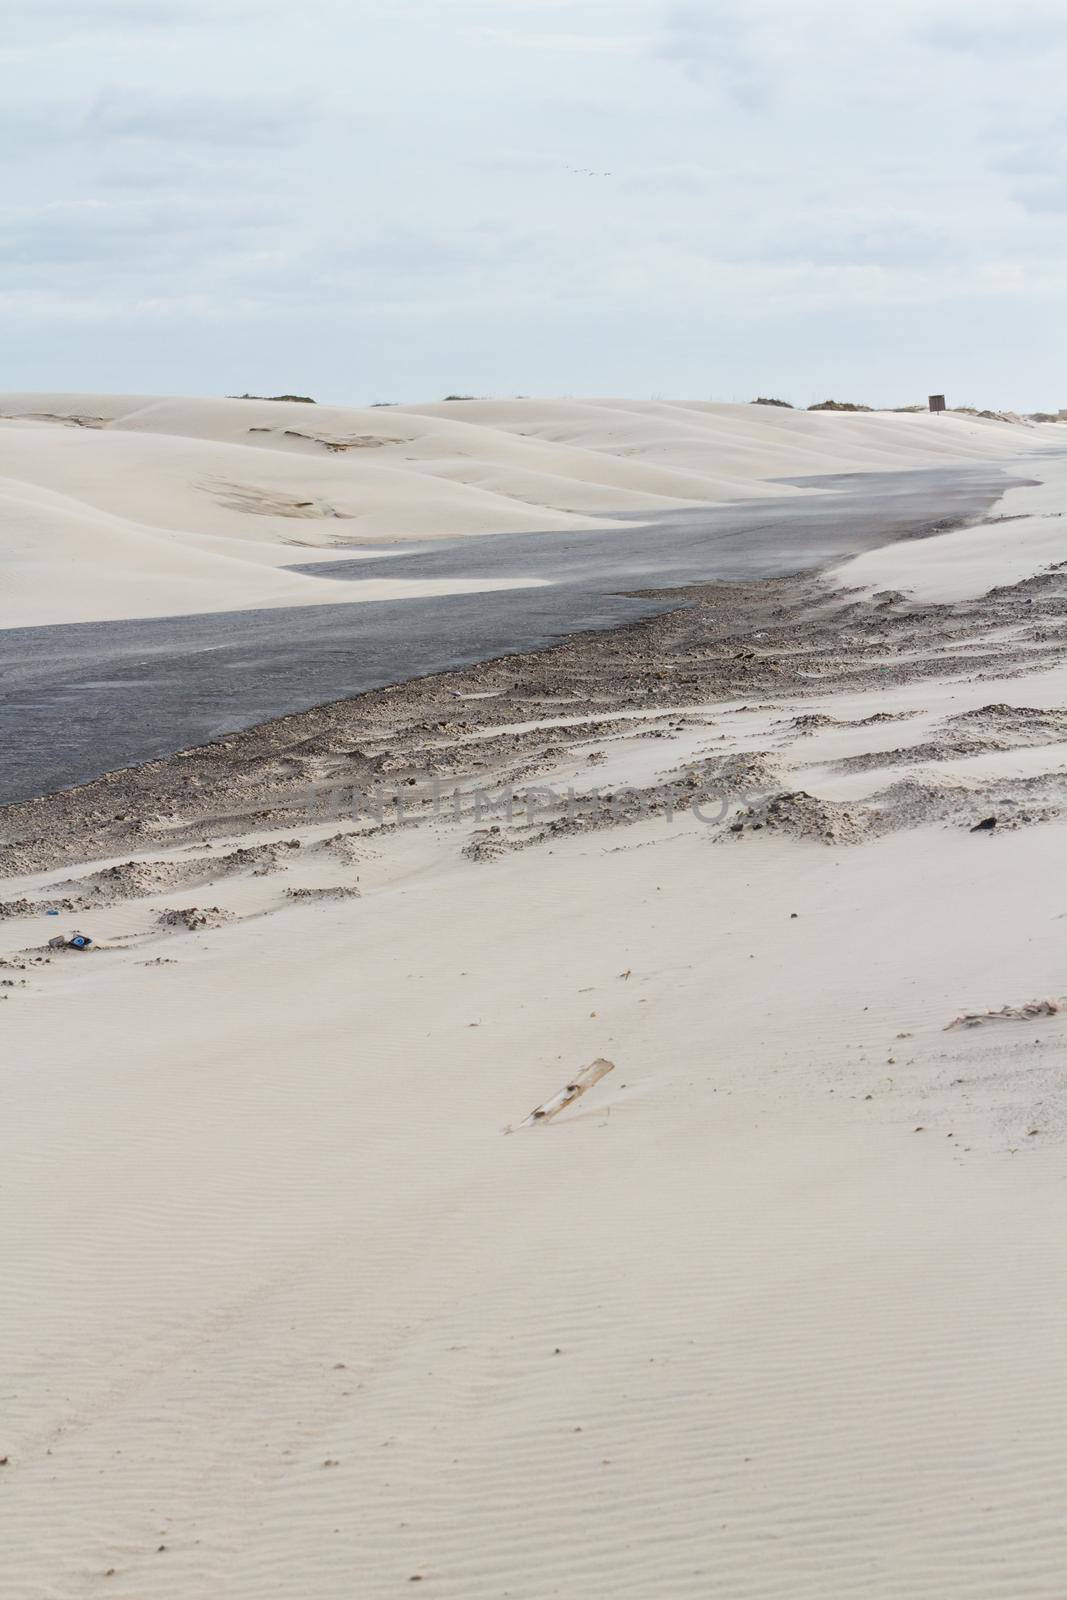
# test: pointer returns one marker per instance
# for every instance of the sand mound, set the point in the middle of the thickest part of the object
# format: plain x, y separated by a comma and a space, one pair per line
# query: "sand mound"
194, 917
489, 844
1016, 802
741, 774
815, 721
931, 750
348, 847
333, 892
812, 721
804, 816
1016, 725
135, 879
35, 908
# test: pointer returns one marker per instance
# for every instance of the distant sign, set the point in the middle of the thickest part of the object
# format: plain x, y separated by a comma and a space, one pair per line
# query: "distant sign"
937, 402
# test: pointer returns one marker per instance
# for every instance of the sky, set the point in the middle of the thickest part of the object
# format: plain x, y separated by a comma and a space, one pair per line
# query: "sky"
395, 200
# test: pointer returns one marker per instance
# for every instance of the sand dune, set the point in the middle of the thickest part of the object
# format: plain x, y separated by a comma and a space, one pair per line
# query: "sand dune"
64, 561
133, 506
774, 1313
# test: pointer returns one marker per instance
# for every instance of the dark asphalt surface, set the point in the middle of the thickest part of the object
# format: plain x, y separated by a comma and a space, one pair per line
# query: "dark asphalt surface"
81, 699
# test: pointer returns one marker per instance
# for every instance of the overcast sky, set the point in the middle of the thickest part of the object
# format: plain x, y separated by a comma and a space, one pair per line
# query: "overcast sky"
398, 199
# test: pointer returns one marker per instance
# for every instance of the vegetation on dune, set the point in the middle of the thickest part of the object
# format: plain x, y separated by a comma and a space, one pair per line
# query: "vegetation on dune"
839, 405
765, 400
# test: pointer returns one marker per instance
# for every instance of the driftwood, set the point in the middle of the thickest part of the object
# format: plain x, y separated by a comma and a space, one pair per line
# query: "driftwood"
1033, 1008
570, 1092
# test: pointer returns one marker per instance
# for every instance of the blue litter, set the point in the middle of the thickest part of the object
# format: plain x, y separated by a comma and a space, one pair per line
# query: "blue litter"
51, 912
76, 941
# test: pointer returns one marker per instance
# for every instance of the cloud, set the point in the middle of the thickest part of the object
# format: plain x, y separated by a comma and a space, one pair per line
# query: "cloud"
712, 42
1029, 160
1049, 198
568, 43
897, 244
118, 116
125, 14
70, 236
31, 24
1020, 31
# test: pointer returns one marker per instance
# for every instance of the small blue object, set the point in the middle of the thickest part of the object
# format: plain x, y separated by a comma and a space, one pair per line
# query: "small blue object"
51, 912
81, 941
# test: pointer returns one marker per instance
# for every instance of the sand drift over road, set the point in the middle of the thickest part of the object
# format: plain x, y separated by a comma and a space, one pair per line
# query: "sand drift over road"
129, 506
85, 698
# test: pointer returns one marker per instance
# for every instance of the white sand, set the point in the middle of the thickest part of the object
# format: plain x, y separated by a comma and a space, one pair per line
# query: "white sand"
288, 1315
149, 507
801, 1351
1031, 538
63, 561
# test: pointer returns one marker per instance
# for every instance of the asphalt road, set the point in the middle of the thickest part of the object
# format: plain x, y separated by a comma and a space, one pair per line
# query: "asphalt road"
78, 700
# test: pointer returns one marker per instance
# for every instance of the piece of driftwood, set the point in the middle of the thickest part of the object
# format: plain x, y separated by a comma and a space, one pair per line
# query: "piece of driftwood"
570, 1092
1033, 1008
